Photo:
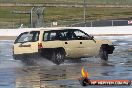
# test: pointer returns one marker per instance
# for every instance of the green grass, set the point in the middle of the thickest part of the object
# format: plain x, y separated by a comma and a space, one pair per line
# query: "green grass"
61, 14
128, 2
91, 13
64, 15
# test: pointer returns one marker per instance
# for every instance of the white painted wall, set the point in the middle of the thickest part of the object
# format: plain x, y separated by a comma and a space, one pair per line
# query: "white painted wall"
116, 30
90, 30
14, 32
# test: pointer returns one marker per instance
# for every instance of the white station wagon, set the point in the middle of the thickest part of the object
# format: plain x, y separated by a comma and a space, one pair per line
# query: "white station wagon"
59, 44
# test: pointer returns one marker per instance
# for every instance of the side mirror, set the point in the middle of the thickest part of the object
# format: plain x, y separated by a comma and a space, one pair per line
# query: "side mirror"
91, 37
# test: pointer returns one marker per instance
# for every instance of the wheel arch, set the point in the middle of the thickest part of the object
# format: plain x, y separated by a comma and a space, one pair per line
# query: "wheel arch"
104, 46
61, 49
108, 48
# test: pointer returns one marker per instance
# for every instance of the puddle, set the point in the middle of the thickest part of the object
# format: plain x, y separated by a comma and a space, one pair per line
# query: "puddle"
44, 74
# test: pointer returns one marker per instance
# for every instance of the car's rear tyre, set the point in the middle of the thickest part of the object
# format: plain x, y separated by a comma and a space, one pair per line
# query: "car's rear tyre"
58, 57
103, 54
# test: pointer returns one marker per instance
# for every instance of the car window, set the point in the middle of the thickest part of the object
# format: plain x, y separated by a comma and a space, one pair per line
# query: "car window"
46, 36
53, 35
28, 37
80, 35
69, 34
22, 37
34, 35
49, 36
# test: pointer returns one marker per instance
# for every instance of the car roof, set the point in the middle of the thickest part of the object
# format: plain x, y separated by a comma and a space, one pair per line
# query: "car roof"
51, 28
56, 28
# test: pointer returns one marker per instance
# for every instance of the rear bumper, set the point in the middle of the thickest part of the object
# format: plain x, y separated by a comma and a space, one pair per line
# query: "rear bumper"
42, 53
24, 56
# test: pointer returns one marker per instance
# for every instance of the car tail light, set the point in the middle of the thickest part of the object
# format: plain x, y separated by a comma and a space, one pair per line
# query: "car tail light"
40, 45
13, 49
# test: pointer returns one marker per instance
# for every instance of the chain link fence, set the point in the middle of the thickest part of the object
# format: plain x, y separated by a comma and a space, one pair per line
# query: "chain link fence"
101, 23
24, 20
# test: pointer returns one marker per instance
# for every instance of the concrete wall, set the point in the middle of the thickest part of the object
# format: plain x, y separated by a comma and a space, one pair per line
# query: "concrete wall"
14, 32
116, 30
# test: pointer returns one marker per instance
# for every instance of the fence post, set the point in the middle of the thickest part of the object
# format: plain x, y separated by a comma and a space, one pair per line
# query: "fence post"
91, 23
112, 23
84, 12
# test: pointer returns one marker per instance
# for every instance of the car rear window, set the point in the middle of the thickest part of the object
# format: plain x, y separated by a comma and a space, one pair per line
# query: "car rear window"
32, 36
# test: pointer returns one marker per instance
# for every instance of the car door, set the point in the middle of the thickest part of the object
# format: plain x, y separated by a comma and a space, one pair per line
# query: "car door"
26, 43
51, 39
71, 44
88, 45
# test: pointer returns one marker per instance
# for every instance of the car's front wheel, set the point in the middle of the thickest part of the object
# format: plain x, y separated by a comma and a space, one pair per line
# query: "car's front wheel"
103, 54
58, 57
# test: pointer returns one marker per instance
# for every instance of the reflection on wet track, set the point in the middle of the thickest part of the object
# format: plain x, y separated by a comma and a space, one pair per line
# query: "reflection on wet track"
45, 74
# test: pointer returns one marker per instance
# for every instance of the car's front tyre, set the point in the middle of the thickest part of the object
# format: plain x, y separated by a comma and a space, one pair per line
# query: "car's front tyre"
103, 54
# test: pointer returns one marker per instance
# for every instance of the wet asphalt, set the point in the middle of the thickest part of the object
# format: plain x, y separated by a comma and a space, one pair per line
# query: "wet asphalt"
42, 73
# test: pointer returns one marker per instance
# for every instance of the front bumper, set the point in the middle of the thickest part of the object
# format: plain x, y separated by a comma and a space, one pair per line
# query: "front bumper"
110, 49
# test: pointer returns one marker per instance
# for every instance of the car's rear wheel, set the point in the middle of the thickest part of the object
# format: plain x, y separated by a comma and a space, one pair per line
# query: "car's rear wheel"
58, 57
103, 54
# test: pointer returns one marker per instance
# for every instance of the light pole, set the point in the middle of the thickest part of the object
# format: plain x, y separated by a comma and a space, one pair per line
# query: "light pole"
31, 17
84, 12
